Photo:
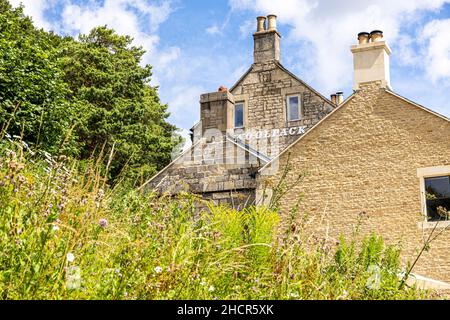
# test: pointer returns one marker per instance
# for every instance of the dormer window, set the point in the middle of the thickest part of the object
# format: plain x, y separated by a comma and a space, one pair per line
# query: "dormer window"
239, 115
293, 103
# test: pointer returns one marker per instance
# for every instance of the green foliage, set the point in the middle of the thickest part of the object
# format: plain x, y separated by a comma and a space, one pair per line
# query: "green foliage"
32, 89
65, 235
77, 97
104, 73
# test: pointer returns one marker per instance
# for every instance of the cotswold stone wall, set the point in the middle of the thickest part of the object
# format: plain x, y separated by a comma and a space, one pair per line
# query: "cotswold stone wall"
222, 172
205, 171
361, 165
222, 183
264, 90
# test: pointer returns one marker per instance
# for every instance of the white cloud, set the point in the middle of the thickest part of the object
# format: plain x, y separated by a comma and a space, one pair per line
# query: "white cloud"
214, 29
437, 55
247, 28
136, 18
330, 27
36, 9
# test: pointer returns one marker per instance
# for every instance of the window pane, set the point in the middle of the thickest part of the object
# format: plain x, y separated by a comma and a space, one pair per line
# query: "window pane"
239, 116
437, 193
293, 108
439, 187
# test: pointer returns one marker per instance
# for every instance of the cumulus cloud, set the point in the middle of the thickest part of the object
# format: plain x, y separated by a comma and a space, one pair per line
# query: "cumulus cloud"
136, 18
36, 9
330, 27
437, 54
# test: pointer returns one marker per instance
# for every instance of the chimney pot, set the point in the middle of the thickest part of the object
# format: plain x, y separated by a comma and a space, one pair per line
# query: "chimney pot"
340, 97
333, 99
261, 27
363, 37
272, 22
376, 35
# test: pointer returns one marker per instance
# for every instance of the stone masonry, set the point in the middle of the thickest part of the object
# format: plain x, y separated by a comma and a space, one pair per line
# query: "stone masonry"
222, 167
361, 162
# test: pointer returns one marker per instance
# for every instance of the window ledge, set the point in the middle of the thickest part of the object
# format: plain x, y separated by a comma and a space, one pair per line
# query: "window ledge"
432, 224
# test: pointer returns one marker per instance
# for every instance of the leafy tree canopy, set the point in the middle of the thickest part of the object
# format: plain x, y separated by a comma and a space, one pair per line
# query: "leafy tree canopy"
79, 96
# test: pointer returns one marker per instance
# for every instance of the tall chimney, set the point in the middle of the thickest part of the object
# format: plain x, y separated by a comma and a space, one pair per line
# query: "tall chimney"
266, 41
371, 60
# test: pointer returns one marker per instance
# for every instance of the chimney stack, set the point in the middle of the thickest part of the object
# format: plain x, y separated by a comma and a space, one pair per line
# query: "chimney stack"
266, 41
371, 60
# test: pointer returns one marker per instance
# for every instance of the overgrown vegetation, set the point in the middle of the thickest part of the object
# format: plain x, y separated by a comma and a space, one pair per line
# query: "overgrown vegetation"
65, 235
75, 97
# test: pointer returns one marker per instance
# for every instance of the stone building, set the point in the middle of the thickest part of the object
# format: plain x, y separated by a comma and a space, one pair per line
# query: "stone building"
378, 157
242, 129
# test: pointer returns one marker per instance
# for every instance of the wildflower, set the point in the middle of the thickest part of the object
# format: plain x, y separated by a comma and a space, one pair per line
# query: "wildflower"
55, 228
70, 257
211, 288
203, 283
73, 278
103, 223
118, 273
158, 269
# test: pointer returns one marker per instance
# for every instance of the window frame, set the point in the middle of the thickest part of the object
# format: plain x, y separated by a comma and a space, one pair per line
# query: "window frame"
243, 115
300, 107
422, 174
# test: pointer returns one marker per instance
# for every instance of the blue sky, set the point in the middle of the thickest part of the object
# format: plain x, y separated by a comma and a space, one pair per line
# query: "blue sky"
197, 45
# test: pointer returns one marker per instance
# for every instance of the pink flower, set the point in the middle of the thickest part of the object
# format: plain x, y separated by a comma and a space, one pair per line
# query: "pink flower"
103, 223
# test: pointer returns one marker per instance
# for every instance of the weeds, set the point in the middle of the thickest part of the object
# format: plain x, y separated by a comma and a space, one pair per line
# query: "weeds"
64, 234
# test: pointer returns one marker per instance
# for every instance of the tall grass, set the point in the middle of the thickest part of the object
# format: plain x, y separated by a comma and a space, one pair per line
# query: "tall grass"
64, 234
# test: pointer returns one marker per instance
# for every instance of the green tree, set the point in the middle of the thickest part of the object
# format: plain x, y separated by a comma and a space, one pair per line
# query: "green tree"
32, 88
120, 108
76, 97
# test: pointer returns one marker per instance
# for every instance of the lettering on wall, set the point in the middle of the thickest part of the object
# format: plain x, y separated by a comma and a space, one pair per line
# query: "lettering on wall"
261, 134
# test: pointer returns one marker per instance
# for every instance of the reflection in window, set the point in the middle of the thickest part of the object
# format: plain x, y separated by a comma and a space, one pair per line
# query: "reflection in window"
293, 108
437, 195
239, 115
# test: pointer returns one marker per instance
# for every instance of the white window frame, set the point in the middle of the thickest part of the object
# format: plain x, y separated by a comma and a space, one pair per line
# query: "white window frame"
300, 107
422, 174
243, 115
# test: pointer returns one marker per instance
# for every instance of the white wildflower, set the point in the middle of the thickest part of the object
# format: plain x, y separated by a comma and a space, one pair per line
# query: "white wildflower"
211, 288
70, 257
158, 269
